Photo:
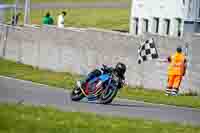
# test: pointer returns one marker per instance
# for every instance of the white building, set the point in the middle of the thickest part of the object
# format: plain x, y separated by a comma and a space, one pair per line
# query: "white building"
165, 17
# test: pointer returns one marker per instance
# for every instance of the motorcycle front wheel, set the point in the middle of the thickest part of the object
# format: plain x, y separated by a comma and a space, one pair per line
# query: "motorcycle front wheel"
108, 96
76, 94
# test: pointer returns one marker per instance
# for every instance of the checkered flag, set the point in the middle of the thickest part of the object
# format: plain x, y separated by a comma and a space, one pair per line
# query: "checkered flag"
147, 51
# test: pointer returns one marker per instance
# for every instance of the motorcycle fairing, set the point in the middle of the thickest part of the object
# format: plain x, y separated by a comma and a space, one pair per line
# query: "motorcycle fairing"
103, 78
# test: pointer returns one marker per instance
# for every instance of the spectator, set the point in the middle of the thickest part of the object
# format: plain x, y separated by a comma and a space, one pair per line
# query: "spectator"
15, 19
61, 19
48, 19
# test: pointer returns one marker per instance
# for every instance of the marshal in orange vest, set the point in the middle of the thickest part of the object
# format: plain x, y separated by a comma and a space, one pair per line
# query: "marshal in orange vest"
177, 64
176, 71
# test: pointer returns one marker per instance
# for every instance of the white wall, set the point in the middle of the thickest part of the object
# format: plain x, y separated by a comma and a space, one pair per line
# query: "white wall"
167, 8
158, 8
192, 10
163, 9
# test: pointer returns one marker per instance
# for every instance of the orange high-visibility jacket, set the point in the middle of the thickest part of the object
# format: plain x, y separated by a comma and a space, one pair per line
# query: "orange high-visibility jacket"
177, 64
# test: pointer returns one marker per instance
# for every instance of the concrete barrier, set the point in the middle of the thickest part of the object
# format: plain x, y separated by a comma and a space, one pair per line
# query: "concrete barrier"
80, 50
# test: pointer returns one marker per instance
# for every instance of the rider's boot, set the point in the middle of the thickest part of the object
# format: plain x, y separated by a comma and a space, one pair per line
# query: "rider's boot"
174, 92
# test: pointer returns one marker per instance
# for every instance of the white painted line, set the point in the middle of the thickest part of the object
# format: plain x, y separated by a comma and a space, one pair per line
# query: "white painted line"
157, 104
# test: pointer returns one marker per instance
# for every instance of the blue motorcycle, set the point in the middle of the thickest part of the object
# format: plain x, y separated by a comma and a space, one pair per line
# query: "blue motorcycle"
103, 87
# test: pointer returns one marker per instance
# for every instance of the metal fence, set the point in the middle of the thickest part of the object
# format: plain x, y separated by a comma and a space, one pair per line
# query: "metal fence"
107, 15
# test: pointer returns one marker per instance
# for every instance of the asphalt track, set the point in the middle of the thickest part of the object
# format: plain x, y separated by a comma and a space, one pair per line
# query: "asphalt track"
80, 5
18, 91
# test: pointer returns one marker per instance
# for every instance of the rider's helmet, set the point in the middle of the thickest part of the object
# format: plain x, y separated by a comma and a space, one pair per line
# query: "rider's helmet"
120, 68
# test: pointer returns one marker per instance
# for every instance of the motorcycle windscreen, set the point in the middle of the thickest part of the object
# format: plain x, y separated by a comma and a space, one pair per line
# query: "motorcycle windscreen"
104, 77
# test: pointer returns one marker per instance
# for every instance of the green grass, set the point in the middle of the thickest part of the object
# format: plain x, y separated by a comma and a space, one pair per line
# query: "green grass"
26, 72
29, 119
53, 1
111, 19
155, 96
67, 80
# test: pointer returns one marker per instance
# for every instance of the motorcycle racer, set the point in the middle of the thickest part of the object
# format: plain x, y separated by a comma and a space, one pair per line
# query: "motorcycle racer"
120, 69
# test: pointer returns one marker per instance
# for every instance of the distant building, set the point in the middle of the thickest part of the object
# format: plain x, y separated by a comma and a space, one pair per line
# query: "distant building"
165, 17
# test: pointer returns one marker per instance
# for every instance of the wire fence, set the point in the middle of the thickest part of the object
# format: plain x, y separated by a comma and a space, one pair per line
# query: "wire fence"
107, 16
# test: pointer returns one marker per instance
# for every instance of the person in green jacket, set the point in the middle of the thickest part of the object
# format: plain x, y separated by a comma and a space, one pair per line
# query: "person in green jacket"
47, 19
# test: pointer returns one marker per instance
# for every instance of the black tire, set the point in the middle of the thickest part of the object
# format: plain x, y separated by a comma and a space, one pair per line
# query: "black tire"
109, 98
78, 95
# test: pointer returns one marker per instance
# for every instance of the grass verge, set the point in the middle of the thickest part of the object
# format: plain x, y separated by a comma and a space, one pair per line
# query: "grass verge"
29, 119
67, 80
27, 72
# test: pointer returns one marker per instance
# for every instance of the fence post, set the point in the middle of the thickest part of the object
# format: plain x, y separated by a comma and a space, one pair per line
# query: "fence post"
16, 11
27, 11
5, 37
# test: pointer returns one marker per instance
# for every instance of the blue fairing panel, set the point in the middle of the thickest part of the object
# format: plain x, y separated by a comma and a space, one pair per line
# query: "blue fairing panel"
104, 77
